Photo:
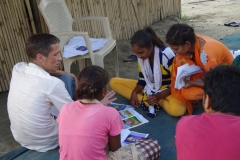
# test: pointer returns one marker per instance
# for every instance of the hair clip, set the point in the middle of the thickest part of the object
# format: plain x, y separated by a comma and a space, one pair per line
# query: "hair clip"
92, 90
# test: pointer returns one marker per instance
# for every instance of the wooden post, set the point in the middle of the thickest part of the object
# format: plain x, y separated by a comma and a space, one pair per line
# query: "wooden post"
35, 14
135, 9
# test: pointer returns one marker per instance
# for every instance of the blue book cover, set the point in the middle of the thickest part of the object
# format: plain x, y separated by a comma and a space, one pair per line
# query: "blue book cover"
118, 106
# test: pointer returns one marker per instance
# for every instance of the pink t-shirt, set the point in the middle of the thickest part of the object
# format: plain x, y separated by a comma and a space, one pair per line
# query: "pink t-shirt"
84, 130
212, 136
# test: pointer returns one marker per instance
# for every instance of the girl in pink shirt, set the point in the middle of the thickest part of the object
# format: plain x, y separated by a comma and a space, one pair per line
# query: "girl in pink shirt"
86, 126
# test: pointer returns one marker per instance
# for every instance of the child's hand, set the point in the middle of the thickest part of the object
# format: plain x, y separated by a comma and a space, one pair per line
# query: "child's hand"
188, 83
152, 100
108, 98
134, 100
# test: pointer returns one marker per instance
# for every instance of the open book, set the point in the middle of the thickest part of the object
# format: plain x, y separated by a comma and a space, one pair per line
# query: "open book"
131, 118
120, 107
128, 136
185, 71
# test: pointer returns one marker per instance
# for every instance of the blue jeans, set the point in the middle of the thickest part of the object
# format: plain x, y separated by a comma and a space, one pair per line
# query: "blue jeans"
70, 84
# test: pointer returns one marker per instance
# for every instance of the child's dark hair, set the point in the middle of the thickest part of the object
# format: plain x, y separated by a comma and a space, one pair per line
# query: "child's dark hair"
91, 81
222, 85
178, 34
145, 37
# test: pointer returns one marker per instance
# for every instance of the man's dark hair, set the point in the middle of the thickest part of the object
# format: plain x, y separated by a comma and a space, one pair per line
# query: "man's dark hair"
91, 81
40, 43
222, 85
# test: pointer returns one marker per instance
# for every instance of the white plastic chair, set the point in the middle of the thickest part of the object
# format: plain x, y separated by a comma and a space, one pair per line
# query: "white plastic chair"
60, 21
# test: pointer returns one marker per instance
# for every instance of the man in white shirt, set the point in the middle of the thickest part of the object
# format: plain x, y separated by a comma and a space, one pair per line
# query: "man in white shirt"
34, 93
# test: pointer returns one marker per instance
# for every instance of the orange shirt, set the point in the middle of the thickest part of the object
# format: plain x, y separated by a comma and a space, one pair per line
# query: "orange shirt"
217, 53
212, 54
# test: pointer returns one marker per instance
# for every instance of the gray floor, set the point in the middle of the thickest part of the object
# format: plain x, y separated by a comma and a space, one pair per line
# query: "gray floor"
7, 142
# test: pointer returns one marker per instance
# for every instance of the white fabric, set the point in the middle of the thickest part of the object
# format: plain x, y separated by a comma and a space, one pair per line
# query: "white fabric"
33, 92
77, 46
151, 109
153, 81
185, 71
236, 53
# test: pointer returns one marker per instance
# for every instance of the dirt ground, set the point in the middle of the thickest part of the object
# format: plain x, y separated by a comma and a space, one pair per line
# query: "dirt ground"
207, 18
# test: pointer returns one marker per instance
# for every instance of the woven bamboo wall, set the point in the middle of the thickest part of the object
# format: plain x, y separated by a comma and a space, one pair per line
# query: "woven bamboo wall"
125, 17
15, 27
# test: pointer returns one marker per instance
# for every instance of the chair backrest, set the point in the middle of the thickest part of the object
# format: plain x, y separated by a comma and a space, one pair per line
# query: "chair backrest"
56, 15
57, 18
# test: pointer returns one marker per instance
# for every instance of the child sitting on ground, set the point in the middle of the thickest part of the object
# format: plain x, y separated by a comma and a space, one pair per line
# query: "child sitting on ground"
152, 89
86, 126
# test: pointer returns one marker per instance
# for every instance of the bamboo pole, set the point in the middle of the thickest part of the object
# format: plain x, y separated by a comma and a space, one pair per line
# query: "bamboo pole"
42, 21
3, 69
6, 43
18, 34
31, 16
22, 17
115, 17
94, 24
35, 13
5, 60
21, 33
134, 5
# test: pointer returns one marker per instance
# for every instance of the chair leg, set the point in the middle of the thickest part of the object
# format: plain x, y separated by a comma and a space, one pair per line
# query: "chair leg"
67, 66
115, 57
99, 62
81, 64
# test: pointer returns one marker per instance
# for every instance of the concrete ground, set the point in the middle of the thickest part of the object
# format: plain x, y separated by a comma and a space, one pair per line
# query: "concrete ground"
7, 142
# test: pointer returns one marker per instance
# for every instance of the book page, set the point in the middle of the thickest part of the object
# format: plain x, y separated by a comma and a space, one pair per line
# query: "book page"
185, 71
120, 107
124, 134
131, 118
133, 137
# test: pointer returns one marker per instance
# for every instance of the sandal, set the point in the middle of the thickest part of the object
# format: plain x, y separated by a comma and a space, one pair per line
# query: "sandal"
233, 24
131, 58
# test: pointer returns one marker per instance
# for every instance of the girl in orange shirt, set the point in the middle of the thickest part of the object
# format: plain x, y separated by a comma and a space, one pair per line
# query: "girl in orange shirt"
192, 48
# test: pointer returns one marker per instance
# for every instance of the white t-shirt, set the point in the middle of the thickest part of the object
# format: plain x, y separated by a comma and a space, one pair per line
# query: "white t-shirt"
33, 94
